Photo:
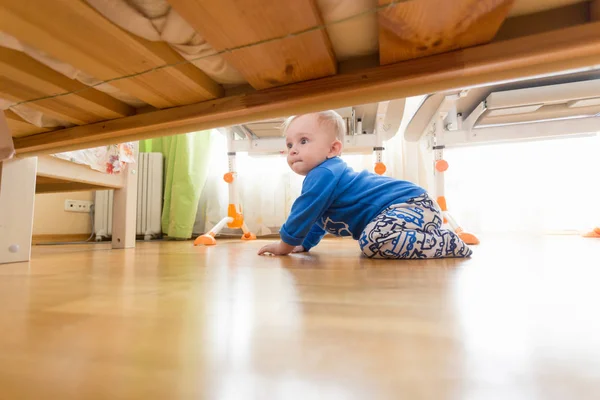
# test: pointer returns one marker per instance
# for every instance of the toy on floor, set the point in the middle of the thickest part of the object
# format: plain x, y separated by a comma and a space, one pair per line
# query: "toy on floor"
235, 218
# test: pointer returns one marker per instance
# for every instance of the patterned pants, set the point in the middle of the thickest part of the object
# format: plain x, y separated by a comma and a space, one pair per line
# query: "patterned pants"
411, 230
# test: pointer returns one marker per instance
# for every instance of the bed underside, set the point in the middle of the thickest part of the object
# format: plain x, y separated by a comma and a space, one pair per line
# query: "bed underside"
112, 71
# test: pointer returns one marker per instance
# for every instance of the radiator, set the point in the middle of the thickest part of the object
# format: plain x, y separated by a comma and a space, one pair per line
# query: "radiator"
149, 201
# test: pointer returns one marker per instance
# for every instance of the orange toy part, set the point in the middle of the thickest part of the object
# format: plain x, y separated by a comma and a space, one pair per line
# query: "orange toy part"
441, 165
467, 237
207, 240
228, 177
442, 203
248, 236
238, 218
597, 230
380, 168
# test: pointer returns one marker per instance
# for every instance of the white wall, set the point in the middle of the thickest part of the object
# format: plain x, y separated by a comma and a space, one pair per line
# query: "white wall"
51, 219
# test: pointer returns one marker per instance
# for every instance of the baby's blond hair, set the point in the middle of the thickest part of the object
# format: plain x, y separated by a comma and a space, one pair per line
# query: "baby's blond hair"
331, 118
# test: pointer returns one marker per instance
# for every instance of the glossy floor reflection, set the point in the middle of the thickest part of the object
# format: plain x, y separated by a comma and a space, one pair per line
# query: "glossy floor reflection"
519, 320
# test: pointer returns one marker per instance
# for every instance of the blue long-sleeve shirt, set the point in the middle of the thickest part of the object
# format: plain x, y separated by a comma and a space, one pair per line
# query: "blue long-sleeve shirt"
338, 200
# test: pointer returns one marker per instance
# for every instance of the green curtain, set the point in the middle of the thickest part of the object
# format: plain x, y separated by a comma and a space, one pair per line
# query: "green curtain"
185, 172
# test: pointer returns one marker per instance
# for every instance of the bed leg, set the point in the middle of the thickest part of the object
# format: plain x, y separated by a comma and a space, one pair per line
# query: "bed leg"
17, 197
124, 211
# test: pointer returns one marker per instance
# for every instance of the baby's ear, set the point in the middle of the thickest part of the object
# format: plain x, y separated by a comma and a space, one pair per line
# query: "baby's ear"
336, 148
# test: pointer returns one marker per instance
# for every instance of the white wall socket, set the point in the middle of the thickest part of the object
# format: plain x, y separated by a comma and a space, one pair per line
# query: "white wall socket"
78, 206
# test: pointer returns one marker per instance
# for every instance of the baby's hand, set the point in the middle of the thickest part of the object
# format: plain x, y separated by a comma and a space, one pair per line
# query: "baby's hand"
299, 249
277, 249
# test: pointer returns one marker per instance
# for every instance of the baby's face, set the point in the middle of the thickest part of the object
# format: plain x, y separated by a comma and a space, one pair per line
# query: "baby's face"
309, 143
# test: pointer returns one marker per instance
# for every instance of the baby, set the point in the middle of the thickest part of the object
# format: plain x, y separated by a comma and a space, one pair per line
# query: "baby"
390, 218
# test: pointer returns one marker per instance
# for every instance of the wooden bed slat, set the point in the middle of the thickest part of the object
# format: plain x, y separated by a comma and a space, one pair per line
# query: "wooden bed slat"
23, 78
595, 10
73, 32
556, 18
550, 52
19, 127
227, 24
415, 29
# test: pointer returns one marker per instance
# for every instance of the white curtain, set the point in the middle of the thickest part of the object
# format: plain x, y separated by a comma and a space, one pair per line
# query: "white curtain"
548, 186
266, 190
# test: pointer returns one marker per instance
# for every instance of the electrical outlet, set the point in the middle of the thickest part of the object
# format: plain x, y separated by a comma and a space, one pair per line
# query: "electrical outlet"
78, 206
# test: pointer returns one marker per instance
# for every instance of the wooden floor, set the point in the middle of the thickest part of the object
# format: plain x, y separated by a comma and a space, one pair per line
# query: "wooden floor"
519, 320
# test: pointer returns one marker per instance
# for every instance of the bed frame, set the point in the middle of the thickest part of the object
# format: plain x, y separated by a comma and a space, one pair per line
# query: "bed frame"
550, 107
460, 43
288, 52
21, 179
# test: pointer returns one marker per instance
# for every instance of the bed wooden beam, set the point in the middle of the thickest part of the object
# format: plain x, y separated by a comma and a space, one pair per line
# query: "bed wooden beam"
75, 33
59, 169
553, 19
544, 53
595, 10
228, 24
415, 29
19, 127
22, 78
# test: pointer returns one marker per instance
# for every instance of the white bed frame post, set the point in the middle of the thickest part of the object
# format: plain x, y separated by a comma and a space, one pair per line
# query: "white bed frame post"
17, 198
124, 208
